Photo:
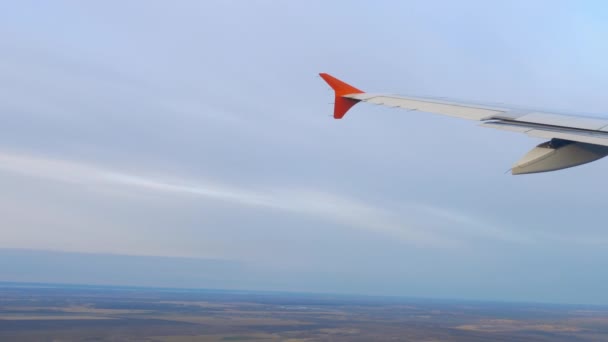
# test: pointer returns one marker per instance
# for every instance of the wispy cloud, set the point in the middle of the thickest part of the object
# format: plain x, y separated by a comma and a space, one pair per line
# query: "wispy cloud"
330, 207
414, 223
473, 225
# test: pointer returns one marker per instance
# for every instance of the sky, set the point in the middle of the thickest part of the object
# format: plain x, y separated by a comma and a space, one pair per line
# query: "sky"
199, 133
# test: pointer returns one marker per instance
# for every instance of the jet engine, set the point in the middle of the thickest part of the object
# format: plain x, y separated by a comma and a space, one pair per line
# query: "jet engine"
558, 154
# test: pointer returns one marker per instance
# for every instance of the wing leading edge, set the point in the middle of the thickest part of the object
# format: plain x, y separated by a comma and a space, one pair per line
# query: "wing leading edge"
573, 140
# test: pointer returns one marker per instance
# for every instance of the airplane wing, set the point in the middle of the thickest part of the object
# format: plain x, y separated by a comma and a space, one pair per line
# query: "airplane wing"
574, 140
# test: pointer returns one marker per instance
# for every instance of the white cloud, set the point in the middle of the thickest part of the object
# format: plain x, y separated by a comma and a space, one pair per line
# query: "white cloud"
333, 208
413, 223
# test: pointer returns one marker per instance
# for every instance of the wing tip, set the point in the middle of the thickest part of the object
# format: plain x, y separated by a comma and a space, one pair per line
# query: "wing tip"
342, 104
340, 87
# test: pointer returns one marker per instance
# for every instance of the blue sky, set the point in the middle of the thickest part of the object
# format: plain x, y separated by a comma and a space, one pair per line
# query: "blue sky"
202, 130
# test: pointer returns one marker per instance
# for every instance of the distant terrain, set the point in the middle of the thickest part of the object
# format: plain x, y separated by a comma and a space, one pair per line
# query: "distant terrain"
49, 312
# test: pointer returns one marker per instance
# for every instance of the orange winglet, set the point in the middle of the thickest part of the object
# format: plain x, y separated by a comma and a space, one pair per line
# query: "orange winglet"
342, 104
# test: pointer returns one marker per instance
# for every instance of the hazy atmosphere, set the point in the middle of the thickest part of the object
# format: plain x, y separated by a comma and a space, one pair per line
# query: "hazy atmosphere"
198, 133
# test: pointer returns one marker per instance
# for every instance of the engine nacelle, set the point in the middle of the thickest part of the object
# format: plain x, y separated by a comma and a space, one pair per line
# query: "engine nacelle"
558, 154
